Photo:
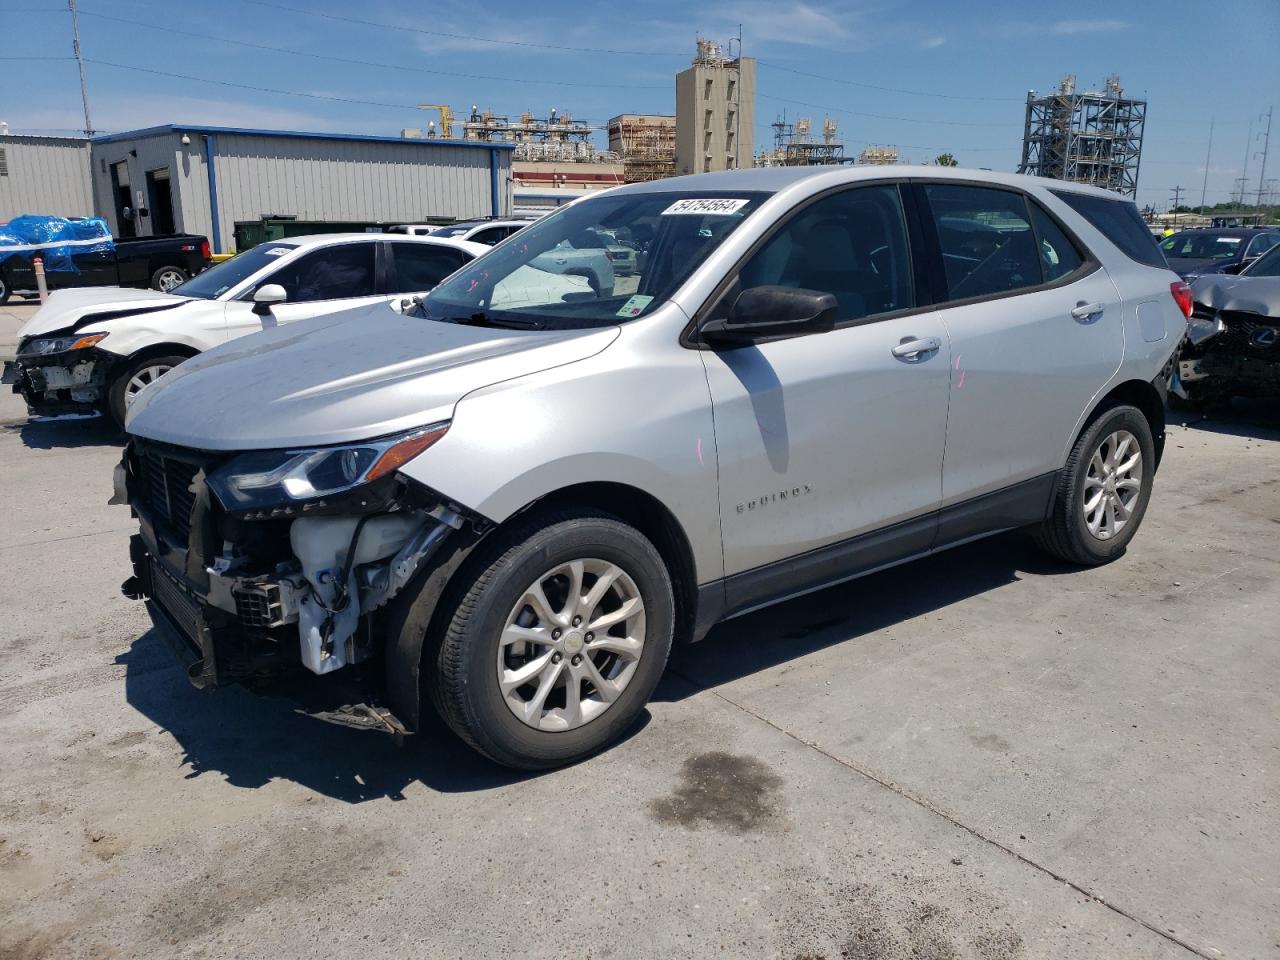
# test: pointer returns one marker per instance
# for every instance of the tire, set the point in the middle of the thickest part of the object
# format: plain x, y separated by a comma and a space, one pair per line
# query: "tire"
1067, 533
119, 392
464, 679
5, 290
166, 278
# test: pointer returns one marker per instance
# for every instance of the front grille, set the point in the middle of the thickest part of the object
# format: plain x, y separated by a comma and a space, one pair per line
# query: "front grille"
1238, 337
166, 490
182, 608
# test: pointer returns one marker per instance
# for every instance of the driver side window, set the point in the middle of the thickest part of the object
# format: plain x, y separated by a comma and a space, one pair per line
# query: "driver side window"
852, 245
332, 273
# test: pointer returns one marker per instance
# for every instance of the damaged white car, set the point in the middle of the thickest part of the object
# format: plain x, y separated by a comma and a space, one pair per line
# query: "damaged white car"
95, 348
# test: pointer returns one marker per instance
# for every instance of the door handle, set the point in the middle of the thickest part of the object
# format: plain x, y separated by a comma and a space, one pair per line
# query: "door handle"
1083, 311
912, 348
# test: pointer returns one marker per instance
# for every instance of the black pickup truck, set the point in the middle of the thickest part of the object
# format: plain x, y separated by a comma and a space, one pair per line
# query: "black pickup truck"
157, 262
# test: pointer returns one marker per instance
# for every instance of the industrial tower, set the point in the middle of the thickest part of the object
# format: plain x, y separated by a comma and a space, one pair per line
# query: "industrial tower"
1093, 137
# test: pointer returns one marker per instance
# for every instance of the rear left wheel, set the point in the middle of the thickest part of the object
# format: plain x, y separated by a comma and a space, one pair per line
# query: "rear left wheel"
1102, 493
557, 644
167, 278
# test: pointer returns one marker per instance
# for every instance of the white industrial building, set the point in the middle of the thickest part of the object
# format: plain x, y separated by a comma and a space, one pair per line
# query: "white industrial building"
44, 175
200, 179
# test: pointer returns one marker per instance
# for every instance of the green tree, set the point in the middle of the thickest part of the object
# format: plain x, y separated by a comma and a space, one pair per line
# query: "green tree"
945, 160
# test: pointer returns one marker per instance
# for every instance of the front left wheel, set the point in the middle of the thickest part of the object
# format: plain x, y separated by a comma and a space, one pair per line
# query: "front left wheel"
132, 380
558, 641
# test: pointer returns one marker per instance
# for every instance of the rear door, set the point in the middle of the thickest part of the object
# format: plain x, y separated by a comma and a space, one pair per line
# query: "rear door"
334, 277
418, 267
1035, 328
824, 437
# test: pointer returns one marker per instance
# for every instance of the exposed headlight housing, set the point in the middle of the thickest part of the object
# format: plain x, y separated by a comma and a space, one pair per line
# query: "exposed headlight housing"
74, 341
266, 479
1200, 329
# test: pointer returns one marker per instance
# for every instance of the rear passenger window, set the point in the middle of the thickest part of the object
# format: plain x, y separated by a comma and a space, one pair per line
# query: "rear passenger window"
1118, 221
1058, 255
988, 246
852, 245
420, 266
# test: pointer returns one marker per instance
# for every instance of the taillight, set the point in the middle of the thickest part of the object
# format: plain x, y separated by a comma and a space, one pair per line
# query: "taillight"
205, 253
1181, 291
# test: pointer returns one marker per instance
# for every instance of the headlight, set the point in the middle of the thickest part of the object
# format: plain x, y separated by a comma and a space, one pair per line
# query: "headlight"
270, 478
75, 341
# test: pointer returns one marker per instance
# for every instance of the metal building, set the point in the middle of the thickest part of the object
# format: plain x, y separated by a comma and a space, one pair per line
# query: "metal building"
1092, 137
715, 112
44, 175
199, 179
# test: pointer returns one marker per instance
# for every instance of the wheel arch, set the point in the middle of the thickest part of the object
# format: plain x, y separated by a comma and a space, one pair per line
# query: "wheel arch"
418, 615
1136, 393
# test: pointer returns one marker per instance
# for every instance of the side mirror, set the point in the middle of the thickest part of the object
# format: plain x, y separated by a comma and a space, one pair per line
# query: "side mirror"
267, 296
772, 313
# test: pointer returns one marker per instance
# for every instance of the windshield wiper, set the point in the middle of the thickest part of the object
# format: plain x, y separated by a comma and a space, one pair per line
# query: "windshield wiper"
482, 319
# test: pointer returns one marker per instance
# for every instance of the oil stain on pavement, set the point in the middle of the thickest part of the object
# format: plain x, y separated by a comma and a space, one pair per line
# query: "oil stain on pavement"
722, 791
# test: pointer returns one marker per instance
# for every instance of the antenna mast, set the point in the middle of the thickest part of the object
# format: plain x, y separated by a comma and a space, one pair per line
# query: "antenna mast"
75, 46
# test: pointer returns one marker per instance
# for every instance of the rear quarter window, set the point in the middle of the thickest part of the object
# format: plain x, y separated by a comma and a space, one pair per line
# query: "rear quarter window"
1119, 222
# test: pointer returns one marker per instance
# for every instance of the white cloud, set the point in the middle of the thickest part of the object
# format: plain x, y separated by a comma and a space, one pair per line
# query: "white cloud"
1089, 26
933, 42
797, 23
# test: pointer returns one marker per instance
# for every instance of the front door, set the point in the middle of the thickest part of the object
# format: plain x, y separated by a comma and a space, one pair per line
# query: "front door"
1035, 332
824, 437
332, 278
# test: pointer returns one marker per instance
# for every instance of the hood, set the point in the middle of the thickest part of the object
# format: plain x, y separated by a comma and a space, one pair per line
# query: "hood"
1188, 265
78, 307
1260, 295
346, 376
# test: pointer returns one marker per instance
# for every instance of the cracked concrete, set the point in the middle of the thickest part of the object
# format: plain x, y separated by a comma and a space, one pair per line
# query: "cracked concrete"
978, 755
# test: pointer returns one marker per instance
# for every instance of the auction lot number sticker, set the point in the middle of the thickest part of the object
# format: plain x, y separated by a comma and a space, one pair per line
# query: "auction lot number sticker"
719, 205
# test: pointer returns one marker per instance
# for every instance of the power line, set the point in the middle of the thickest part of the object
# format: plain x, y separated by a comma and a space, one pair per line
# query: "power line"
383, 25
882, 116
883, 89
816, 106
358, 63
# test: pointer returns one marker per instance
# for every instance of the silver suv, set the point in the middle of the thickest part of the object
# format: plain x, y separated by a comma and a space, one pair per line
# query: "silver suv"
515, 502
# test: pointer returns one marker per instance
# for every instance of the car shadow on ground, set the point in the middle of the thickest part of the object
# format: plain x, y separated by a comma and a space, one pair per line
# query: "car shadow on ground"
1242, 417
51, 433
849, 612
251, 740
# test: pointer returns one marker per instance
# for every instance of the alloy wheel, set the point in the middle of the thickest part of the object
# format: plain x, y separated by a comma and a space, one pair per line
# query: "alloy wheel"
1113, 484
142, 378
169, 279
571, 644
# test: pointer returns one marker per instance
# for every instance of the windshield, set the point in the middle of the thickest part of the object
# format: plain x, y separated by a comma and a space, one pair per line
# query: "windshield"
455, 231
595, 262
218, 279
1267, 265
1203, 246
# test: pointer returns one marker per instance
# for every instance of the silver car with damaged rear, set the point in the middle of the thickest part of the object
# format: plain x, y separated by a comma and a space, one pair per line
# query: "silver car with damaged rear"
513, 503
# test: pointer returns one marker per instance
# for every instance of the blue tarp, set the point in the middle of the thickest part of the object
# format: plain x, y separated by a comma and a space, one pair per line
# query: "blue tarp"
55, 239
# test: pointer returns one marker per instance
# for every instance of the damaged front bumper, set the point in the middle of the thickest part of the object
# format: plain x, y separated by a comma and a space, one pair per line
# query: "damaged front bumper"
271, 603
1228, 352
60, 383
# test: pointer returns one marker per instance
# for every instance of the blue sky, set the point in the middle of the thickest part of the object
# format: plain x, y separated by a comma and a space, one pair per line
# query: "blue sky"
957, 72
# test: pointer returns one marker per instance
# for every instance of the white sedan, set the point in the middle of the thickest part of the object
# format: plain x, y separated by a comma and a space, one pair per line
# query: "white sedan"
96, 347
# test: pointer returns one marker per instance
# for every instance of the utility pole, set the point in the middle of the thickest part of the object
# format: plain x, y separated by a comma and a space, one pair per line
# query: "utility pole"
1266, 144
1244, 174
1209, 153
1177, 202
75, 46
737, 108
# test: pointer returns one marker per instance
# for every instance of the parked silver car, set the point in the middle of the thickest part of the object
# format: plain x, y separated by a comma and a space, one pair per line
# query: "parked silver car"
518, 505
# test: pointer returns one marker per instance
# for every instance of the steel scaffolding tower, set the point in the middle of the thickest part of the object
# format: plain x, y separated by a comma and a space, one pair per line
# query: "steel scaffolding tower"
1092, 137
